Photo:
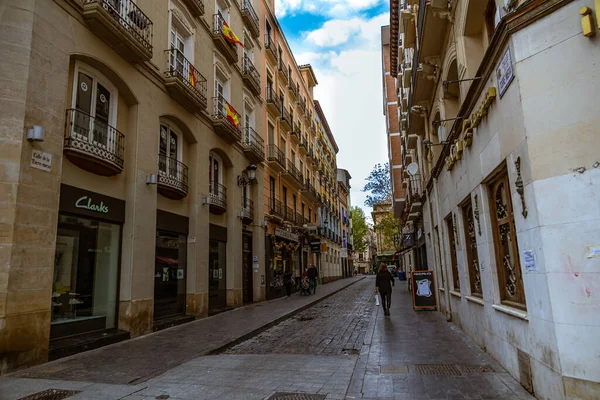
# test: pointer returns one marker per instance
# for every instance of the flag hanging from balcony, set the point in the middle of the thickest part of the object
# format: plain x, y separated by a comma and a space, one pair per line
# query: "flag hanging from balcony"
232, 115
192, 77
230, 36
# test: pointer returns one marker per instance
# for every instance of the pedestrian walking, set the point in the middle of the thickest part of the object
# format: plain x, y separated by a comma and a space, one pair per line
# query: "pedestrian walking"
288, 281
383, 285
312, 276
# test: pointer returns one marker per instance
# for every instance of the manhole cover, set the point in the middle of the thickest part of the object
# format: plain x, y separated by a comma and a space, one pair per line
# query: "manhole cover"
296, 396
475, 369
437, 369
393, 369
306, 318
51, 394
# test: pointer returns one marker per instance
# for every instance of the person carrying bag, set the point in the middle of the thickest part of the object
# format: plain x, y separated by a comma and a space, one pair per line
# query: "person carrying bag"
383, 285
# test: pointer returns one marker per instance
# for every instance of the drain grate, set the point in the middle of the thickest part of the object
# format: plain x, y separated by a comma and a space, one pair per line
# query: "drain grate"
393, 369
474, 368
296, 396
51, 394
437, 369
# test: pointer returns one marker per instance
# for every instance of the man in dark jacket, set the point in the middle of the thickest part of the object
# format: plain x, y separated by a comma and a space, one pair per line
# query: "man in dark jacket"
383, 284
312, 277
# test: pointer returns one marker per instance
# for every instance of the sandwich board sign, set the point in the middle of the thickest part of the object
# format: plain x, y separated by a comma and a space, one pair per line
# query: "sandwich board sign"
423, 290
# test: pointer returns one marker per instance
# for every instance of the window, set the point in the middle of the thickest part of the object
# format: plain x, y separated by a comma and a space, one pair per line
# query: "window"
294, 202
215, 173
505, 242
272, 187
169, 150
283, 146
248, 116
222, 8
95, 102
271, 133
452, 245
471, 249
310, 214
268, 28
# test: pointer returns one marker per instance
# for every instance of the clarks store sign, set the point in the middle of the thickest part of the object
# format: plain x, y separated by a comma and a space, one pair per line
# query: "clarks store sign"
90, 204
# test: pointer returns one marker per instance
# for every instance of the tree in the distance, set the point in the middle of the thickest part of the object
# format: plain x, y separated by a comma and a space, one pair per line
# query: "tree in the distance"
389, 229
378, 184
360, 230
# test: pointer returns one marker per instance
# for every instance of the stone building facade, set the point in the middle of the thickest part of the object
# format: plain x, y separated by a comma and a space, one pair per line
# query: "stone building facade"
497, 108
347, 246
112, 226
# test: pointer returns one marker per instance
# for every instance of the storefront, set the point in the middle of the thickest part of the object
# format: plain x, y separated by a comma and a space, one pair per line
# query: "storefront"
217, 269
170, 270
86, 264
283, 256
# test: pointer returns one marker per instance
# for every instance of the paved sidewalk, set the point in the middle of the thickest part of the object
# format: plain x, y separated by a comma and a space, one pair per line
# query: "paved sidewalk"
134, 361
419, 356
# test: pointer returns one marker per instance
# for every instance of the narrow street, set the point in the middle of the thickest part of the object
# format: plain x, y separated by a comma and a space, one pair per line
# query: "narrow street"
341, 347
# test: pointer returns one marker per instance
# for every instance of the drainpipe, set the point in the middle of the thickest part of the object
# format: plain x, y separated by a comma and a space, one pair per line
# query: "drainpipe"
442, 249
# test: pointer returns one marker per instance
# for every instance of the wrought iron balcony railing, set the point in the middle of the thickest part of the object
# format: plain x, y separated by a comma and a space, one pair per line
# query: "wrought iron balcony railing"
295, 172
129, 16
172, 176
275, 207
283, 71
270, 46
229, 49
250, 17
253, 142
93, 144
217, 195
293, 89
226, 120
196, 6
247, 209
250, 71
184, 71
275, 154
289, 214
286, 117
272, 99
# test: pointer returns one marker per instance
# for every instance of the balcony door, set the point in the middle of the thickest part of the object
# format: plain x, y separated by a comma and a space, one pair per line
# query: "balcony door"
215, 173
169, 151
95, 102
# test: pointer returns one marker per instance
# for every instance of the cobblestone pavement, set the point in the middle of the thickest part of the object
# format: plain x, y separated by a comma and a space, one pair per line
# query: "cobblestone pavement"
334, 326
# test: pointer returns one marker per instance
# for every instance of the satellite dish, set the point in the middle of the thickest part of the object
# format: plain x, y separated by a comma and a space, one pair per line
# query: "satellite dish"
412, 168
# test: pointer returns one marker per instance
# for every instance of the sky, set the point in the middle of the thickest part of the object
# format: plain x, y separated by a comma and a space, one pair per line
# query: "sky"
341, 39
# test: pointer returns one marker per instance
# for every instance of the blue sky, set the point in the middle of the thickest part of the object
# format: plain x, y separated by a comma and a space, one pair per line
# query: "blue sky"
341, 39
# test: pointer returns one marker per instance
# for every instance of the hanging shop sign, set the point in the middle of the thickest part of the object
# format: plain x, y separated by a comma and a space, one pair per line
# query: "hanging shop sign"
282, 233
408, 240
505, 72
423, 290
315, 247
83, 202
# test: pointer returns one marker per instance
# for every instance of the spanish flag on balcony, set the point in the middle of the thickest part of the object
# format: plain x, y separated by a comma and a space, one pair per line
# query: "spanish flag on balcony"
232, 115
192, 77
230, 36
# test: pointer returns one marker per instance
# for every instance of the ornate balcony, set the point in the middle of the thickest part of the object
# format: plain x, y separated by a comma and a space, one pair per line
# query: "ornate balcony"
283, 72
253, 144
172, 178
295, 132
228, 49
289, 214
275, 209
250, 76
303, 145
250, 18
270, 48
247, 212
286, 118
184, 83
122, 25
93, 145
276, 158
293, 89
295, 173
217, 198
226, 121
309, 191
196, 7
273, 102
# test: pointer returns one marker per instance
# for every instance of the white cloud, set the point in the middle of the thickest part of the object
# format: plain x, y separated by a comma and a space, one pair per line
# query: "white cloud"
339, 31
330, 8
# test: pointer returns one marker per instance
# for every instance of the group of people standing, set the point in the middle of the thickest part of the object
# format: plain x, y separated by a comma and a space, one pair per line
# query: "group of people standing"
311, 274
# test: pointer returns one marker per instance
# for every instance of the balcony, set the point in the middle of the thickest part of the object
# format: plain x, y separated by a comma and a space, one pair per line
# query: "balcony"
228, 49
283, 72
247, 212
275, 210
250, 76
253, 144
93, 145
300, 219
273, 102
295, 173
309, 156
289, 214
286, 118
122, 25
293, 89
172, 178
295, 132
303, 145
217, 198
270, 49
250, 18
226, 121
184, 83
309, 191
196, 7
276, 158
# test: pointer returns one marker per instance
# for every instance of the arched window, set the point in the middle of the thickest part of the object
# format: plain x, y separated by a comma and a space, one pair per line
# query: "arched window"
170, 150
94, 102
215, 171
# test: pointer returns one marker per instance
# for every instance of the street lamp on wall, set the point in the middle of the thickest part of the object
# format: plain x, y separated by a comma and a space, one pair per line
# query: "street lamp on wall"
248, 176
